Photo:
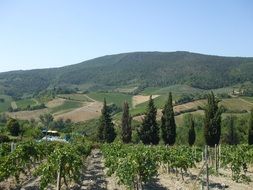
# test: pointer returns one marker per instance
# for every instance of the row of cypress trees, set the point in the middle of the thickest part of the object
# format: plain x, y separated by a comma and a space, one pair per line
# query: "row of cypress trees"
149, 131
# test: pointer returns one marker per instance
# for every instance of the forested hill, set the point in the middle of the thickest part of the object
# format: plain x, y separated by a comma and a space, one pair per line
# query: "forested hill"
136, 69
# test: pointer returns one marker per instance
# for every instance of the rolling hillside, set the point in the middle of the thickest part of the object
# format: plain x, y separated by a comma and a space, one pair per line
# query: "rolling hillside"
138, 69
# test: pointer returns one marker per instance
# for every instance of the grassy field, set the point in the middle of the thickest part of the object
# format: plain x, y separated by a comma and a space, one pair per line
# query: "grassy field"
77, 97
24, 103
112, 97
6, 104
249, 99
177, 90
236, 104
159, 103
227, 90
66, 106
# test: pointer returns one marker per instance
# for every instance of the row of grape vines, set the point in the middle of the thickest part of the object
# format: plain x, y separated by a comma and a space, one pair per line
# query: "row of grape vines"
44, 160
135, 165
238, 159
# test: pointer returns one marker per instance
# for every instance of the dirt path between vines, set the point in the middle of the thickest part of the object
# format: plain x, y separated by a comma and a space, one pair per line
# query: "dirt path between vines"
94, 177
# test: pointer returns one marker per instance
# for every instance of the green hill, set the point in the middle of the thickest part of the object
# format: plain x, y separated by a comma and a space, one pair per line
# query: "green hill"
139, 69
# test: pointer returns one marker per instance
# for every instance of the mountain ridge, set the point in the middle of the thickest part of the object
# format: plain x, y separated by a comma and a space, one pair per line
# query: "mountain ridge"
141, 69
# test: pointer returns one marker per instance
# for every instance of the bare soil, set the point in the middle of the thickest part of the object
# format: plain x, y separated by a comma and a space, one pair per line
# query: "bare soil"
89, 111
27, 115
138, 99
55, 102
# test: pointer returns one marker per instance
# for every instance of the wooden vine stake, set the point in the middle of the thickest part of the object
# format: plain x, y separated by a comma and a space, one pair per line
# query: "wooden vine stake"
215, 156
207, 173
58, 187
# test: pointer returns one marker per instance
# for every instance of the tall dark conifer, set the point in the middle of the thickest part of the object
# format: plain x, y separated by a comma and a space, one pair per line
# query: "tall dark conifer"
106, 132
149, 130
126, 133
168, 125
232, 137
250, 135
191, 133
212, 130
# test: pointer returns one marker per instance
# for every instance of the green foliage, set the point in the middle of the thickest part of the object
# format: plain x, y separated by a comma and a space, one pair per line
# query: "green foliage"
68, 159
149, 130
106, 131
212, 130
134, 69
231, 136
168, 125
4, 138
75, 97
13, 127
250, 135
24, 103
246, 89
191, 132
62, 126
46, 119
43, 160
4, 105
22, 159
237, 158
126, 133
67, 106
135, 165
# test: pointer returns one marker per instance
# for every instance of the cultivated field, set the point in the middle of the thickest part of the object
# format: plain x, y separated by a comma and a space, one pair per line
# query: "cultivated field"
138, 99
89, 111
28, 115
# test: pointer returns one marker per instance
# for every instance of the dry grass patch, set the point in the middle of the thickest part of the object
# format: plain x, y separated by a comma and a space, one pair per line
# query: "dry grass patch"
89, 111
138, 99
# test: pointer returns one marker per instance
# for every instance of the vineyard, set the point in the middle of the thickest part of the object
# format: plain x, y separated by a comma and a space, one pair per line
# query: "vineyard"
63, 165
134, 166
50, 162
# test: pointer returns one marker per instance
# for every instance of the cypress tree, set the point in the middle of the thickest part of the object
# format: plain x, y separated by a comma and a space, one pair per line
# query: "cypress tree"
13, 127
168, 125
212, 122
232, 135
106, 132
250, 135
191, 133
126, 133
149, 131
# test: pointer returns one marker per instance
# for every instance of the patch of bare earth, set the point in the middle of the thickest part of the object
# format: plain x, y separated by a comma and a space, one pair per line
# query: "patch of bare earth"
189, 105
94, 177
138, 99
89, 111
27, 115
55, 102
191, 181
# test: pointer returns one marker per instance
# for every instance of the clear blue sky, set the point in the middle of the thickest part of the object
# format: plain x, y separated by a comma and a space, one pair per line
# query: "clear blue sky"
53, 33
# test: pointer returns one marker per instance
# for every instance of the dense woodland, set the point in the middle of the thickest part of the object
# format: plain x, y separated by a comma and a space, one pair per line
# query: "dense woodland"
140, 69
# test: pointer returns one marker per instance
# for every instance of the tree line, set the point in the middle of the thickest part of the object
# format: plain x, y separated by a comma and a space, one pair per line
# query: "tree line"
151, 133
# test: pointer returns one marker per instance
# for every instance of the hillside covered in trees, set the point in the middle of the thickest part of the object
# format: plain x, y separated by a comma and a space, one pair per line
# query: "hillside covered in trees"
138, 69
